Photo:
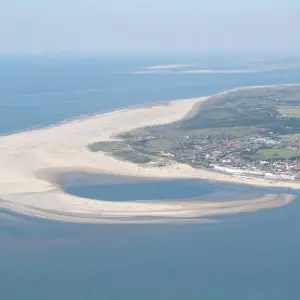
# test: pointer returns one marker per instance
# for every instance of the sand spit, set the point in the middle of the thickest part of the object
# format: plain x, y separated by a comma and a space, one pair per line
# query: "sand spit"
186, 69
24, 155
200, 71
63, 207
163, 69
168, 67
242, 71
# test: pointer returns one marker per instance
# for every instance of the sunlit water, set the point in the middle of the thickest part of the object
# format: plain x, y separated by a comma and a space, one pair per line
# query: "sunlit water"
246, 256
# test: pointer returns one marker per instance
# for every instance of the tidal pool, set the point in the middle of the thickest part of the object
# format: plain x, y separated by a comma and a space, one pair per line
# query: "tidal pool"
118, 188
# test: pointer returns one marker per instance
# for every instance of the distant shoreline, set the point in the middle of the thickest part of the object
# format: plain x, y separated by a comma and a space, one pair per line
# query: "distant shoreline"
27, 187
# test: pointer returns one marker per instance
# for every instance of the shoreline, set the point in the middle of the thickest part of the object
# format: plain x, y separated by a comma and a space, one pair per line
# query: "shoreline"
33, 161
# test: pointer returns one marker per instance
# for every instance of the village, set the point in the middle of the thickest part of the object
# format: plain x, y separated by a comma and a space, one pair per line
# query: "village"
260, 155
241, 156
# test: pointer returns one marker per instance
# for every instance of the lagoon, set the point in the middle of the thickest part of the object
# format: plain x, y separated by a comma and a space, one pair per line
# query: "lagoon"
118, 188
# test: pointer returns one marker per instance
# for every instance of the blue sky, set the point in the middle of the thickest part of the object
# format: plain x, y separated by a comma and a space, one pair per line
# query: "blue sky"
148, 25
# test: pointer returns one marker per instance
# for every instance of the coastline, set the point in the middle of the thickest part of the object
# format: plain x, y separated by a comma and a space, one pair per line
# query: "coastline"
25, 158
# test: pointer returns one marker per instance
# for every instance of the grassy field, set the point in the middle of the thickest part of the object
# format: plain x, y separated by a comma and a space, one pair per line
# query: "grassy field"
268, 154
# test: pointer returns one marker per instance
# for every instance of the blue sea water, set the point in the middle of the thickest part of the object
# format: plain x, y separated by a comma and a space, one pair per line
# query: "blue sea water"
247, 256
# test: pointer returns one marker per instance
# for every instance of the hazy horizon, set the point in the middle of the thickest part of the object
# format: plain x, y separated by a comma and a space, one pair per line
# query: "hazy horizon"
133, 26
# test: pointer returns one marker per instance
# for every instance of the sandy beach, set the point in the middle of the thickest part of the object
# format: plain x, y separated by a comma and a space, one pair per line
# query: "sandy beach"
32, 163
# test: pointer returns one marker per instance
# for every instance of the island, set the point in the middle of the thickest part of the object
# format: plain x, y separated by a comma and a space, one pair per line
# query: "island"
246, 136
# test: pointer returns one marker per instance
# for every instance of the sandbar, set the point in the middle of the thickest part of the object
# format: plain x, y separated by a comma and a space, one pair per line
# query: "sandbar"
33, 161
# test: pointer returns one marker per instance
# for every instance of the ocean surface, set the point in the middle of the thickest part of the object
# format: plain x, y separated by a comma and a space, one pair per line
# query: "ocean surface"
251, 256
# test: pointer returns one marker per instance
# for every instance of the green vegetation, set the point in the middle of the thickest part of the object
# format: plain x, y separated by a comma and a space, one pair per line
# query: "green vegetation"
108, 146
280, 153
265, 120
255, 107
267, 154
122, 151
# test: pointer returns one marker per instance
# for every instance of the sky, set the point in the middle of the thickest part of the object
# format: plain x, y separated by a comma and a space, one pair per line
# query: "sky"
46, 26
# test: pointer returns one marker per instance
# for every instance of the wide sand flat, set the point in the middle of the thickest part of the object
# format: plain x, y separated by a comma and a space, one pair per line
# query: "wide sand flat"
32, 163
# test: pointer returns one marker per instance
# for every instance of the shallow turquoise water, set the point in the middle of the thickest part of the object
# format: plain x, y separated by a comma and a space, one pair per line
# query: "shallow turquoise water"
247, 256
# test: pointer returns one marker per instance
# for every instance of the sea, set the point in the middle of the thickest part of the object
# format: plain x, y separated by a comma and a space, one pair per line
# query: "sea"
250, 256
